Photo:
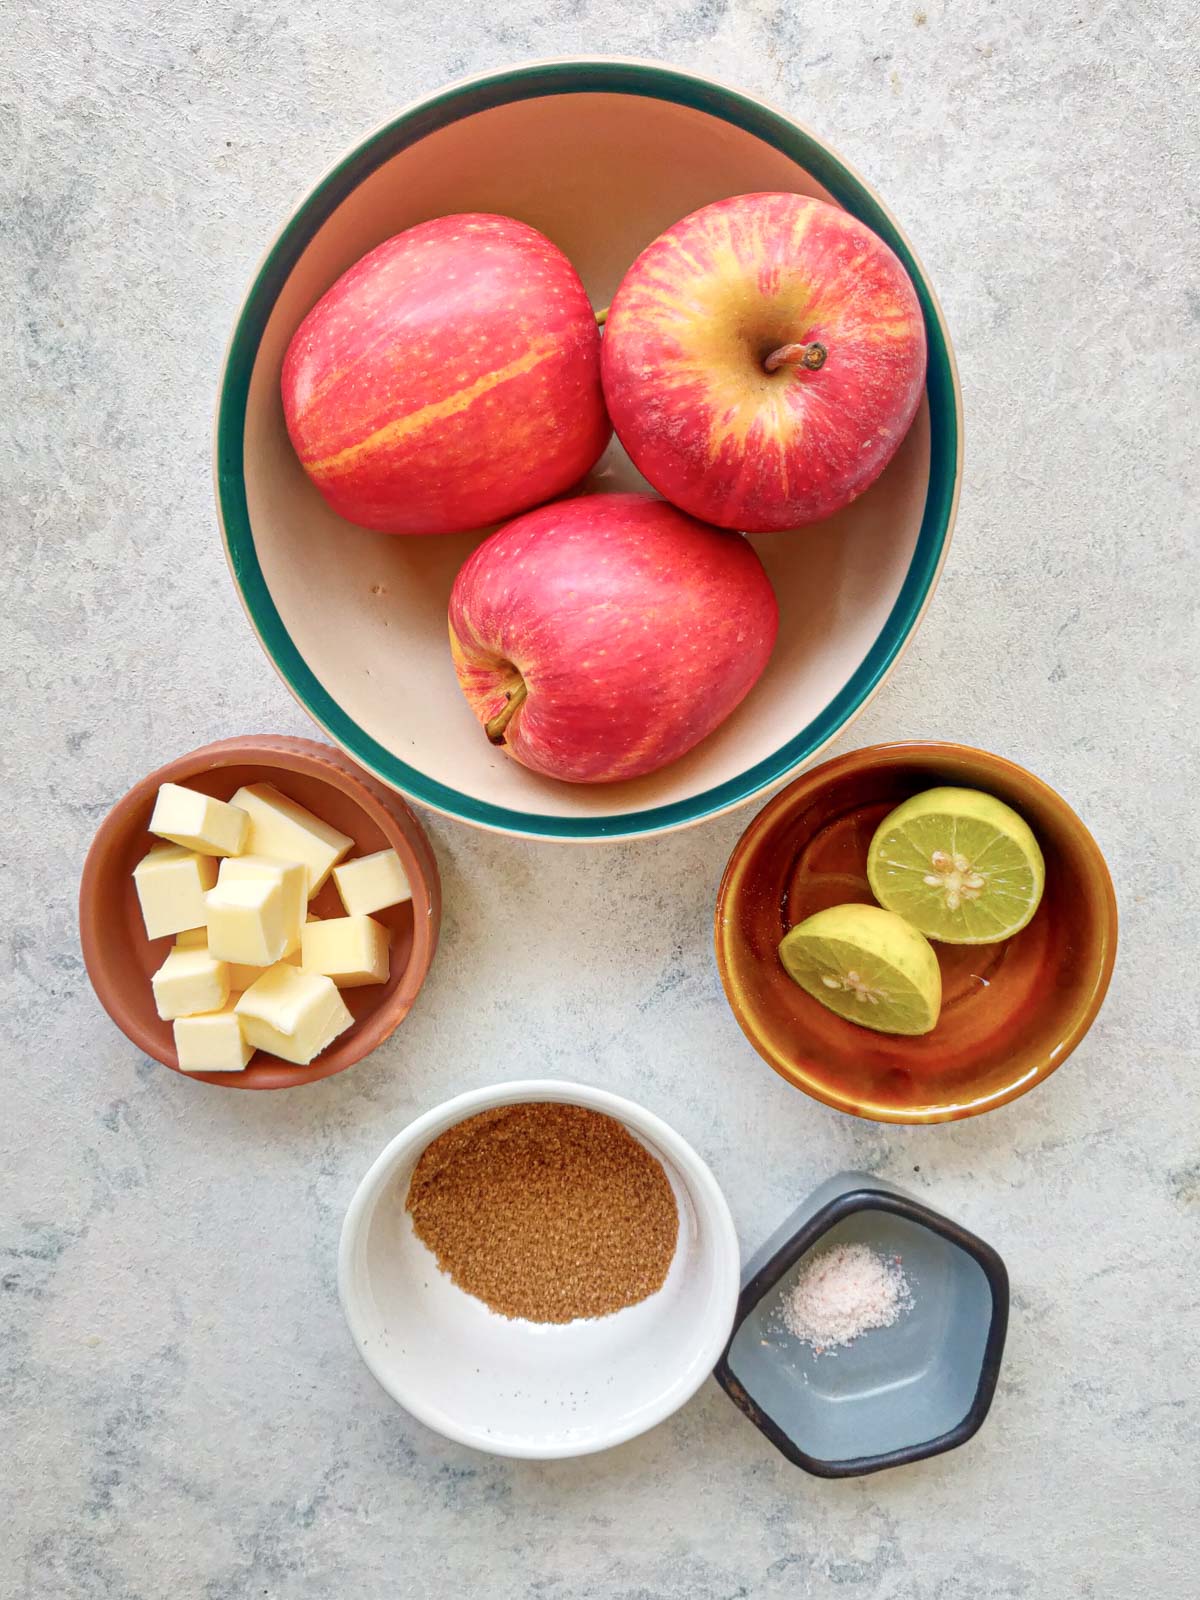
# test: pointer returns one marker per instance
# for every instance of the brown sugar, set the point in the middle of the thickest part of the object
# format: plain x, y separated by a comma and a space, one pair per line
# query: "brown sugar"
546, 1211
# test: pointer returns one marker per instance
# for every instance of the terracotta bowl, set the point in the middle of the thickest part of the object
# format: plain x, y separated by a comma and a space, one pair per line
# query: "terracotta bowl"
120, 959
601, 155
1011, 1012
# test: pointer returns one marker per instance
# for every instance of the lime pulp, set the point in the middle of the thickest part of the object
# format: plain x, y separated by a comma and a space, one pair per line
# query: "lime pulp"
867, 965
959, 865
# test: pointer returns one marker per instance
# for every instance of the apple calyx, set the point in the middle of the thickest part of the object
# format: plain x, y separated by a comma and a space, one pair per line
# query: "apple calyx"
514, 699
811, 357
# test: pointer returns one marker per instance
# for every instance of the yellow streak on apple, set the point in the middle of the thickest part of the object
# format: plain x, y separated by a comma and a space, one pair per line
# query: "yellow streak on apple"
436, 411
708, 318
714, 320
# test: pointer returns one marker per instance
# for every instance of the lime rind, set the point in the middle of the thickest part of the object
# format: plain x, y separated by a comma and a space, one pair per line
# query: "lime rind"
866, 965
958, 864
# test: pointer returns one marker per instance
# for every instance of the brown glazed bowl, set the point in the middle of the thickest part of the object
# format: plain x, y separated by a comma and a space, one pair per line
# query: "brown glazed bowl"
1011, 1012
120, 959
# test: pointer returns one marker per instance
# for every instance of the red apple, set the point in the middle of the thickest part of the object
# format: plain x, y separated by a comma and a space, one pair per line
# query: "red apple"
762, 361
448, 380
602, 637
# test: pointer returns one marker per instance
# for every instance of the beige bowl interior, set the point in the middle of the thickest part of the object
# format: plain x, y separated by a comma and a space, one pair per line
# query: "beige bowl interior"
602, 175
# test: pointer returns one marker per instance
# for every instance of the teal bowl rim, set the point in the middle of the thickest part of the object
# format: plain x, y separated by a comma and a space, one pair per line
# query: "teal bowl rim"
528, 81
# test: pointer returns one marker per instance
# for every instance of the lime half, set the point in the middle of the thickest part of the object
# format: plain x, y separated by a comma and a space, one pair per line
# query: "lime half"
958, 864
868, 965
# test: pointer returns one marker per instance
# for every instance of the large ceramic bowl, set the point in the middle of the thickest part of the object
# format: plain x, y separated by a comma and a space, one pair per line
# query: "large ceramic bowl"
602, 156
1011, 1012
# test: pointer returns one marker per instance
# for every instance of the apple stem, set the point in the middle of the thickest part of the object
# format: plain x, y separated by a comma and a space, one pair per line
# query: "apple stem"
810, 356
602, 316
513, 701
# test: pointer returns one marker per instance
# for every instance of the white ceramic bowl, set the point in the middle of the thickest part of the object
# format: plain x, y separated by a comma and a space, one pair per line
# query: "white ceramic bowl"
518, 1388
601, 155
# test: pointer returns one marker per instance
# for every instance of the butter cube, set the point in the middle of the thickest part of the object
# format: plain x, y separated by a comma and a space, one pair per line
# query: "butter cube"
353, 951
247, 921
192, 939
189, 981
295, 1015
292, 879
198, 822
285, 831
371, 883
212, 1043
171, 883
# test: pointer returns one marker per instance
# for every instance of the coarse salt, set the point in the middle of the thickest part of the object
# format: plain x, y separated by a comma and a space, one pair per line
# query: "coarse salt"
842, 1293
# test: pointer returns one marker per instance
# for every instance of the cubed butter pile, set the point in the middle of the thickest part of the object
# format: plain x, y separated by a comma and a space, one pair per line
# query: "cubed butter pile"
252, 968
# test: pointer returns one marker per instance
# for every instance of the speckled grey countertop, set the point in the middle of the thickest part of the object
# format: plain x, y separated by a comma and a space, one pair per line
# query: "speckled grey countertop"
183, 1413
